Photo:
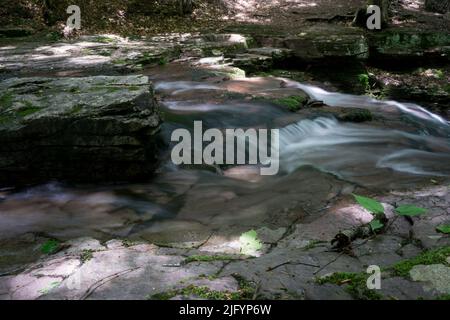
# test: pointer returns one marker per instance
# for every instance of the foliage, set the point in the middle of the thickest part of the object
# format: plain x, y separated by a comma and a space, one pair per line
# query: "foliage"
364, 80
86, 255
371, 205
444, 228
355, 285
250, 243
376, 225
293, 103
360, 115
410, 211
200, 258
438, 256
52, 286
6, 100
246, 292
50, 247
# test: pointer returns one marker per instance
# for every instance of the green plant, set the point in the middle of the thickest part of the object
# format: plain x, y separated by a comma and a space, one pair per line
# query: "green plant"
6, 100
163, 61
50, 246
445, 228
104, 39
371, 205
86, 255
128, 243
355, 284
410, 211
52, 286
250, 243
376, 225
199, 258
376, 209
293, 103
246, 292
364, 80
438, 256
358, 116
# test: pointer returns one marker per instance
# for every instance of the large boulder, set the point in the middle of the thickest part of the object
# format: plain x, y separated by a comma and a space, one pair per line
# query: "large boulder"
77, 129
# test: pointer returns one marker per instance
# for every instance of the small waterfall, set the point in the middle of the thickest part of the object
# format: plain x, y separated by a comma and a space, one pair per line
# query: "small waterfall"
352, 101
351, 149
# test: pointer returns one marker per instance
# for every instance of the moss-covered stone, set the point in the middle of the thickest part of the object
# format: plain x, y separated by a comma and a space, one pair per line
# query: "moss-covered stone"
437, 256
356, 115
293, 103
204, 293
355, 284
6, 100
205, 258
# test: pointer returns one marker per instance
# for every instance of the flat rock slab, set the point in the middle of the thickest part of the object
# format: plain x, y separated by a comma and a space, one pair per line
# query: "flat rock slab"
88, 129
437, 277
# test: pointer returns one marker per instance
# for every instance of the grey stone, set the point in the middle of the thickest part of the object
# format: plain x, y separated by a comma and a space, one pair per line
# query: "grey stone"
79, 129
402, 289
436, 277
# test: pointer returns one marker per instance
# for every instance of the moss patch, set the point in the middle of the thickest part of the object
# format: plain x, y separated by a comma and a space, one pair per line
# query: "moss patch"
76, 109
4, 119
246, 292
28, 109
438, 256
355, 285
86, 255
203, 293
358, 116
51, 246
6, 100
200, 258
293, 103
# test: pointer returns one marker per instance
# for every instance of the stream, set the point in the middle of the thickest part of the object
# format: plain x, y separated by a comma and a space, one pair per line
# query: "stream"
320, 158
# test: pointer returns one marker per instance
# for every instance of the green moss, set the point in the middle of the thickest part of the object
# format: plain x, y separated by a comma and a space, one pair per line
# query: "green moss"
293, 103
246, 292
355, 285
438, 256
359, 115
86, 255
76, 109
28, 109
163, 61
199, 258
4, 119
128, 243
119, 61
6, 100
363, 79
447, 88
200, 292
162, 296
103, 39
51, 246
52, 286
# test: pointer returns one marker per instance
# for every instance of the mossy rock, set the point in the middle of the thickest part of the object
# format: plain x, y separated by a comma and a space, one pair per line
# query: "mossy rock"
356, 115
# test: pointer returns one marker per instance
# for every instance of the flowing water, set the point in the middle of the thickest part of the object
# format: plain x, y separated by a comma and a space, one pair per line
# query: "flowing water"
405, 146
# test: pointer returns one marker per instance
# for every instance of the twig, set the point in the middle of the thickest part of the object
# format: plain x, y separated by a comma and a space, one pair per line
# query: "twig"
332, 261
292, 263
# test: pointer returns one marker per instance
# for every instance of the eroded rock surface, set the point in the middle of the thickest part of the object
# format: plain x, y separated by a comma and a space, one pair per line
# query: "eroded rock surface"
80, 129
